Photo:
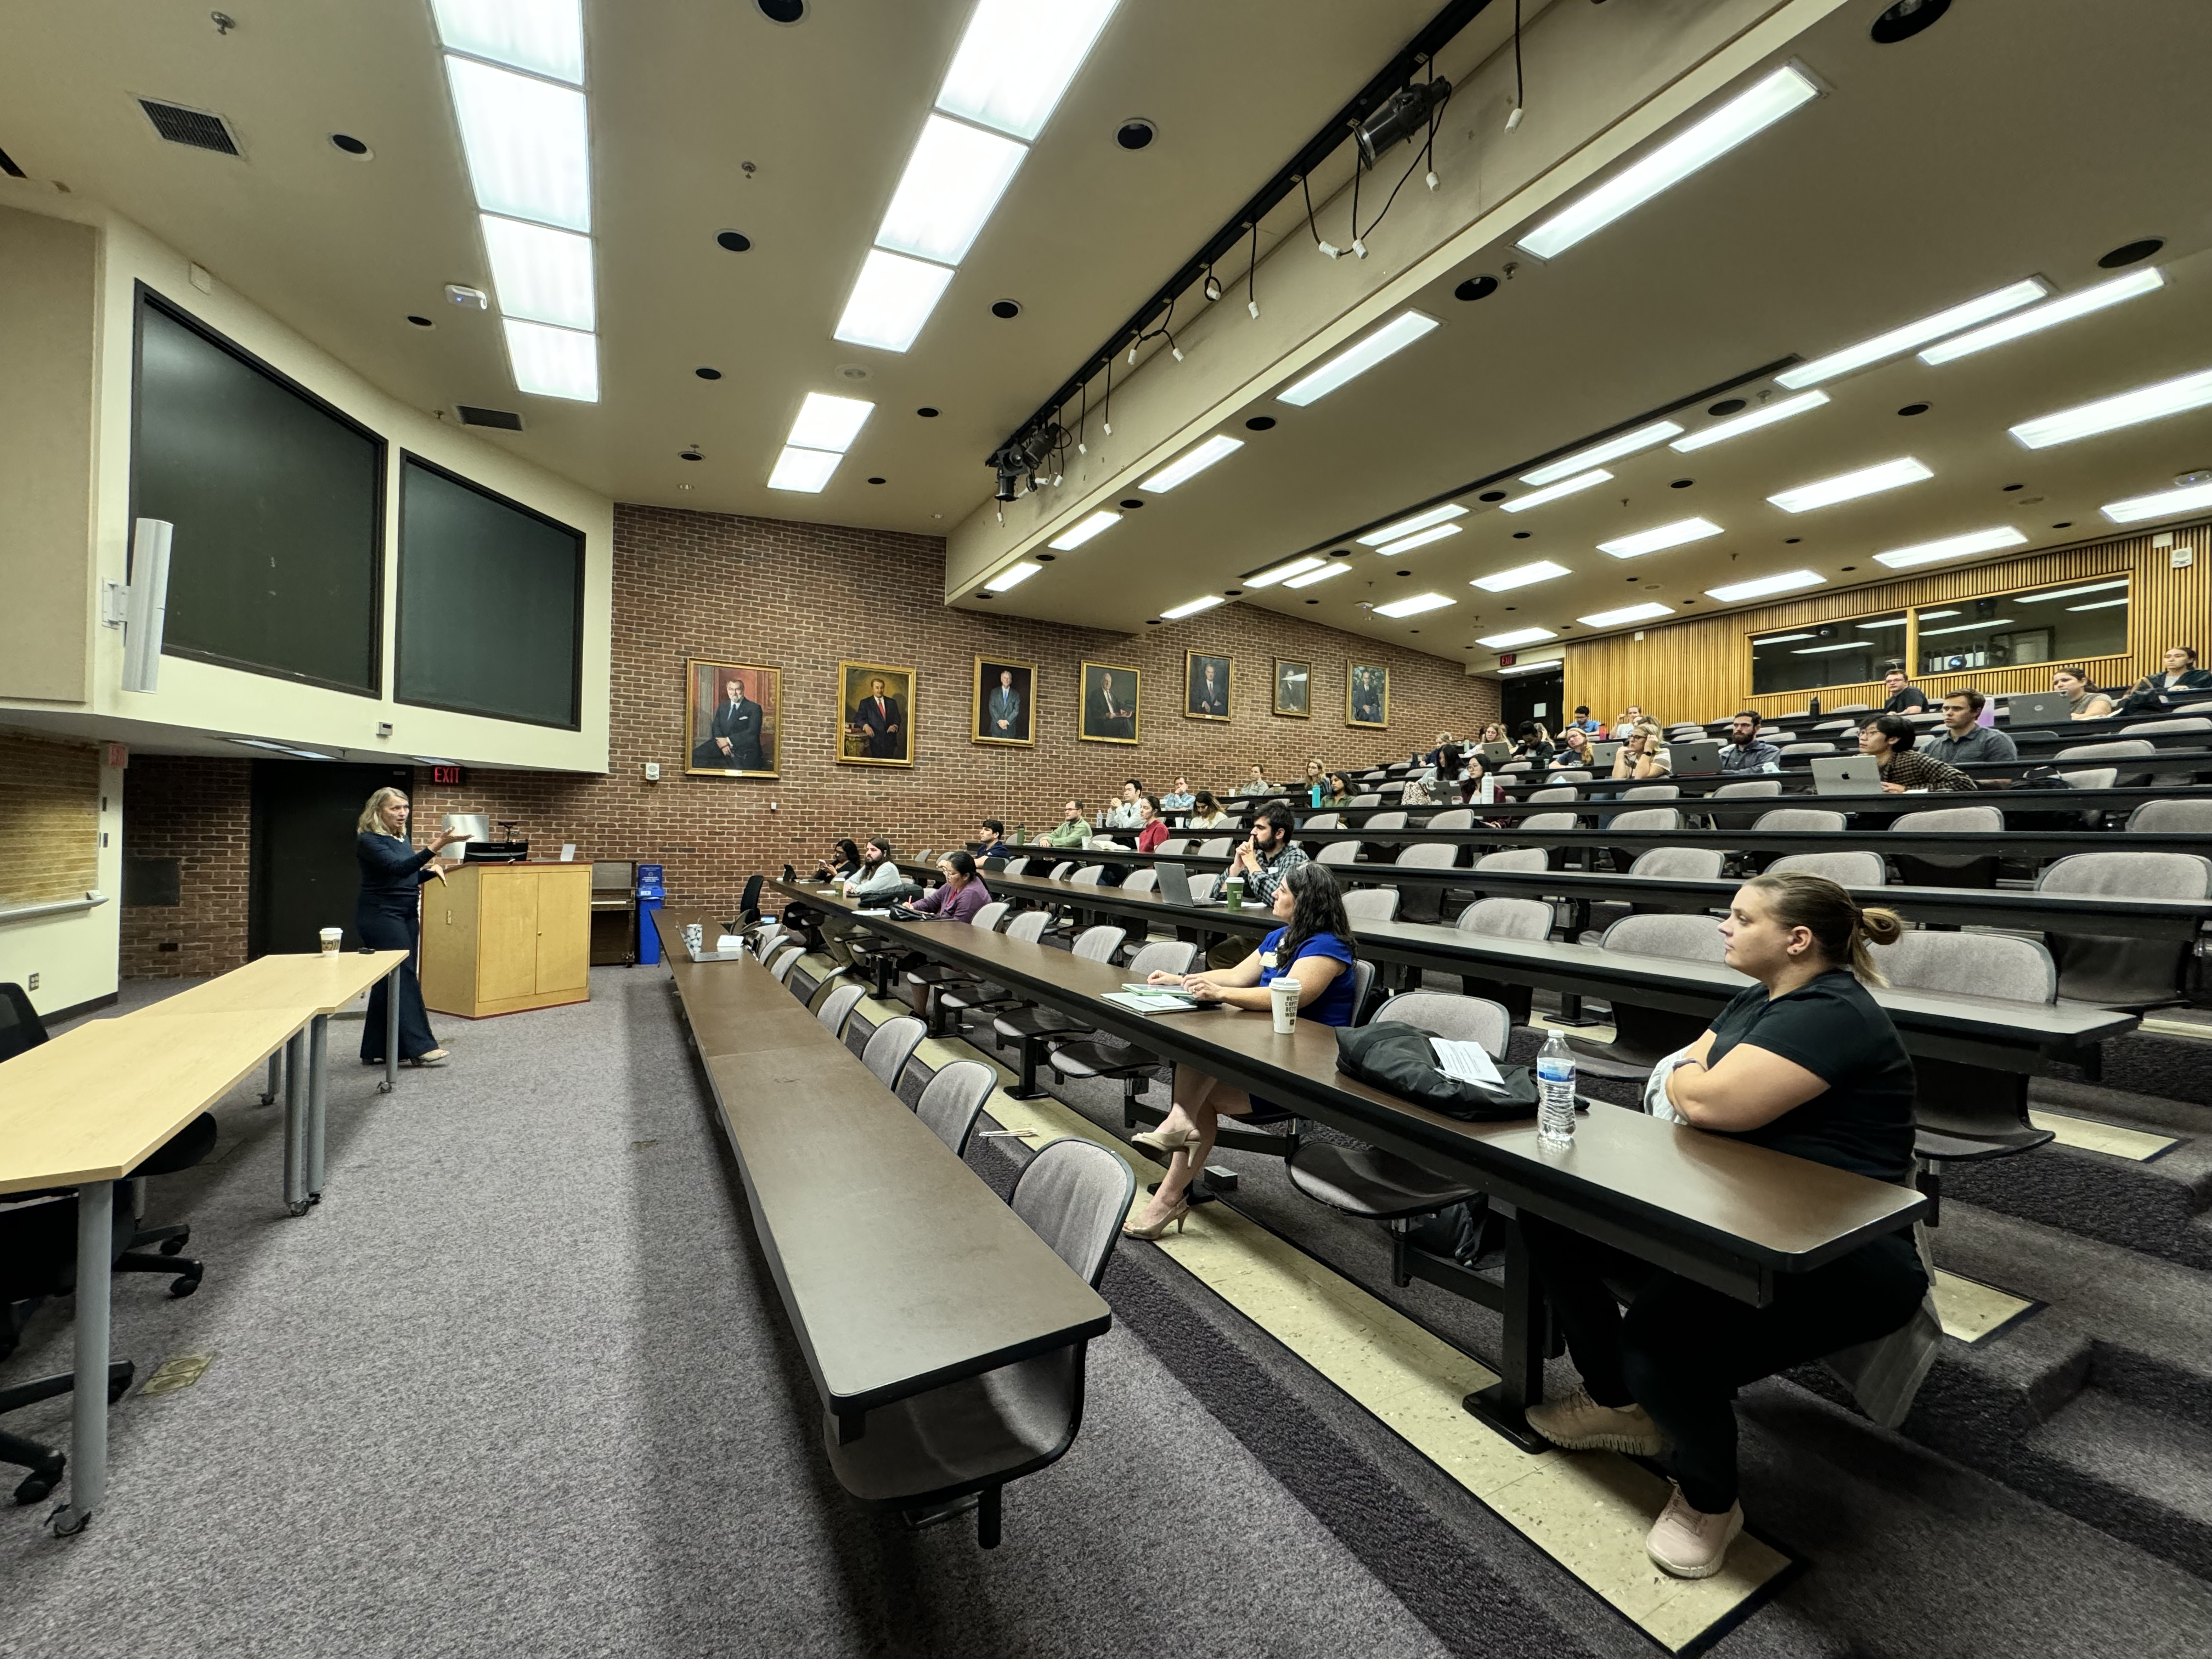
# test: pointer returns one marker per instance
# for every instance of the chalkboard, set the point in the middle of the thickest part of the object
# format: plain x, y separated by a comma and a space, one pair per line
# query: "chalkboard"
491, 602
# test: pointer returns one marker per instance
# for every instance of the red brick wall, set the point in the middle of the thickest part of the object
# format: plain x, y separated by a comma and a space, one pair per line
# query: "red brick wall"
198, 812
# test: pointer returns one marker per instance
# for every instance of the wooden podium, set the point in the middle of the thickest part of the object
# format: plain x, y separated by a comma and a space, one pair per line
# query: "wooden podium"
500, 937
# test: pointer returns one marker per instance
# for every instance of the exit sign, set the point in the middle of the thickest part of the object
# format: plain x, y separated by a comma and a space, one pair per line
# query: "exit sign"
448, 774
1507, 658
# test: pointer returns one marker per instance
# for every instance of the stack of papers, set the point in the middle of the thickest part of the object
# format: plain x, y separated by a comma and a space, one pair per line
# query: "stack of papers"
1148, 1001
1465, 1062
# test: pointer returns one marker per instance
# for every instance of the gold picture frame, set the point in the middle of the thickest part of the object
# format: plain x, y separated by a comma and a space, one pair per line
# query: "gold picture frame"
1208, 699
990, 720
1299, 705
1105, 717
875, 722
745, 734
1367, 695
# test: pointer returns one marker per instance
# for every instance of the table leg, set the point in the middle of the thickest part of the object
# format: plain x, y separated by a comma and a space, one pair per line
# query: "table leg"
319, 1091
276, 1078
390, 1032
296, 1123
95, 1221
1504, 1404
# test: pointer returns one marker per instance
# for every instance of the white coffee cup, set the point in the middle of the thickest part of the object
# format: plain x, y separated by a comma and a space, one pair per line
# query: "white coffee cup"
1283, 994
332, 937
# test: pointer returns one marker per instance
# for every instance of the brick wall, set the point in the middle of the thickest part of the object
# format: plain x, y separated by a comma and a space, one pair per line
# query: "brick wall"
197, 810
49, 820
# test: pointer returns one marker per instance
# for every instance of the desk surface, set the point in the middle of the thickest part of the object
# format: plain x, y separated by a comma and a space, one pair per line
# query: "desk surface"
900, 1270
95, 1103
309, 984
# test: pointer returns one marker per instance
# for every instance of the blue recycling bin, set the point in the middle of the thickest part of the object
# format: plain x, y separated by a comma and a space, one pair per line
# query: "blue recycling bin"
650, 896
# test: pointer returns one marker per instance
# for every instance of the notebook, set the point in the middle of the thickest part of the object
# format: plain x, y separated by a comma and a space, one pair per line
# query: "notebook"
1846, 774
1151, 999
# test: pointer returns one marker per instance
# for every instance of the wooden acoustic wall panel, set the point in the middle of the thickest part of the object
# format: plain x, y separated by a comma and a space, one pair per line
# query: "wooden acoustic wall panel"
49, 820
1700, 670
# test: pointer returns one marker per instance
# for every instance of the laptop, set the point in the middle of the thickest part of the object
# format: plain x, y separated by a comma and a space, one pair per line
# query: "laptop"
1495, 755
1699, 758
1175, 888
2038, 708
1601, 755
1846, 774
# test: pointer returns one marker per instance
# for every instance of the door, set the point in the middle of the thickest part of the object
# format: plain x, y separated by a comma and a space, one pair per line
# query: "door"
564, 929
1533, 697
302, 876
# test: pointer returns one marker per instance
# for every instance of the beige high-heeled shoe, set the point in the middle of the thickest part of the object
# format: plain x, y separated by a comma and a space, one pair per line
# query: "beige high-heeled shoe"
1165, 1141
1174, 1217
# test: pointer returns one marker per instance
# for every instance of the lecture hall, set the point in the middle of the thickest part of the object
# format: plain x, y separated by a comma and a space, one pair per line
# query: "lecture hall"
718, 937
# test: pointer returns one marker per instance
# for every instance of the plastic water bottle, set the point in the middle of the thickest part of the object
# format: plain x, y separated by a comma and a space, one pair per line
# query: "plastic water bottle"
1555, 1093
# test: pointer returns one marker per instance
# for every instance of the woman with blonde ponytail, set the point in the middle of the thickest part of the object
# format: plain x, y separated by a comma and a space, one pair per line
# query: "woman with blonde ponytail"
1805, 1062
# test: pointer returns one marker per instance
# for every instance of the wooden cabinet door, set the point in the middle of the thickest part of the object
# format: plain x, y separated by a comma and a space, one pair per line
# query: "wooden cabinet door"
507, 934
564, 929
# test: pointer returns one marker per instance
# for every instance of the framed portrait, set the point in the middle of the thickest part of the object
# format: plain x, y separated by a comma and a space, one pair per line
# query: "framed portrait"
1205, 686
1004, 705
1109, 699
733, 713
875, 706
1293, 689
1366, 694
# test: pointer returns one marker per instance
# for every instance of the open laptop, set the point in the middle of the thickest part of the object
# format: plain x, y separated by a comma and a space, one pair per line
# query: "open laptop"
1846, 774
2038, 708
1175, 888
1495, 755
1698, 758
1601, 755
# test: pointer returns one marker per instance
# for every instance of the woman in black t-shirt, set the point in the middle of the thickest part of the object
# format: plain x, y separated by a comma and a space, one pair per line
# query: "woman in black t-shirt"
1805, 1062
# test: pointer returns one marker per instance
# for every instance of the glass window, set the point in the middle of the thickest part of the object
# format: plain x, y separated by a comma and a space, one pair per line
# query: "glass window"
1825, 654
2057, 625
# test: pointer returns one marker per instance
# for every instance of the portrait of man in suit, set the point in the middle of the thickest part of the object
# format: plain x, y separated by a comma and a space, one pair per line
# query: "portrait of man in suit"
879, 709
732, 711
1206, 686
1293, 688
1366, 694
1005, 703
1109, 704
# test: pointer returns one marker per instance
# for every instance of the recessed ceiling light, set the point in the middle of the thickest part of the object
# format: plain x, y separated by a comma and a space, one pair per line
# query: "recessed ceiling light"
1552, 492
545, 37
2166, 504
1386, 341
2062, 593
1666, 536
2148, 403
786, 12
1136, 133
1919, 332
2128, 252
1849, 486
1006, 310
1476, 287
1398, 609
542, 274
1789, 581
1191, 608
526, 143
1914, 408
1905, 20
876, 481
1016, 60
1801, 405
1260, 423
1726, 406
2048, 314
1274, 573
927, 413
352, 146
420, 322
554, 363
827, 422
1012, 577
736, 241
1504, 581
1320, 575
2101, 604
709, 374
1703, 141
1518, 636
1101, 520
1391, 532
1421, 538
1611, 449
1190, 464
891, 301
1952, 547
1629, 613
806, 471
952, 180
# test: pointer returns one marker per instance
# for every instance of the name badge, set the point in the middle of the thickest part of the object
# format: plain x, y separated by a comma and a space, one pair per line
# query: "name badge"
1267, 960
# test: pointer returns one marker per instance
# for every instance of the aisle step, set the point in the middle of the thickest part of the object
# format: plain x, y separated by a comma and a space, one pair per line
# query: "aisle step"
2131, 1470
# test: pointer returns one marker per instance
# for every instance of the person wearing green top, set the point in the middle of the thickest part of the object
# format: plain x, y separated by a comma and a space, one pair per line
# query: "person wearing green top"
1337, 793
1072, 831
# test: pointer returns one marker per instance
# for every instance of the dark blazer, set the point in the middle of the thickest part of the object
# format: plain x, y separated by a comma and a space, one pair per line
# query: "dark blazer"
1110, 719
876, 717
1208, 699
1005, 704
740, 722
391, 870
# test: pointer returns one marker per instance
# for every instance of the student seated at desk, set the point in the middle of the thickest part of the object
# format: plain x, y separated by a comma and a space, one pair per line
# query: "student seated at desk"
878, 875
1805, 1062
844, 860
1152, 828
2180, 673
1574, 751
1313, 946
960, 896
1122, 815
1340, 791
1070, 831
991, 841
1889, 739
1257, 784
2082, 703
1642, 754
1206, 812
1178, 799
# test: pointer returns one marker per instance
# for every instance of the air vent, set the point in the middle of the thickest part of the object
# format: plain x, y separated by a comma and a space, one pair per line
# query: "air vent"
505, 420
196, 127
8, 166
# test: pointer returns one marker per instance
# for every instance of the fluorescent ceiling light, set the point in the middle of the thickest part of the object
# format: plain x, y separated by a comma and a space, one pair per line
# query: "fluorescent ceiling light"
1892, 621
554, 363
1626, 444
1016, 60
1190, 464
827, 422
527, 142
1391, 337
1296, 567
1628, 613
891, 301
1415, 606
1848, 645
1787, 581
952, 180
1849, 486
433, 760
2166, 504
1098, 522
1191, 608
2064, 309
545, 37
1544, 667
542, 274
1518, 636
1666, 536
1963, 628
2065, 592
2148, 403
1330, 568
1012, 577
1741, 118
1952, 547
1390, 532
264, 742
1504, 581
1721, 431
2101, 604
804, 469
1782, 639
2011, 297
1552, 492
1421, 538
1927, 616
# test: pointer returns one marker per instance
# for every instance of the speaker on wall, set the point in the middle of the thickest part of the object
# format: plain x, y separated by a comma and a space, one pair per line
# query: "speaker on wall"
146, 605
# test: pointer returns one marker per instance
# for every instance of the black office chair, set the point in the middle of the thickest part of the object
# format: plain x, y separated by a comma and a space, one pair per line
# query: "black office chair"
38, 1259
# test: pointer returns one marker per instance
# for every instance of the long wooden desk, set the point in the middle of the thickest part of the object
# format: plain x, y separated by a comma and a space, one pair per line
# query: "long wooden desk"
1722, 1211
900, 1269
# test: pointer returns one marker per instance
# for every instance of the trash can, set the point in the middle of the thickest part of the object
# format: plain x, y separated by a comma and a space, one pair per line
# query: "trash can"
650, 893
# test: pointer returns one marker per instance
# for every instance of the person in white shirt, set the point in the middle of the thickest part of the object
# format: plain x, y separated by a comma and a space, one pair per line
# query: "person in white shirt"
1630, 718
1127, 813
878, 874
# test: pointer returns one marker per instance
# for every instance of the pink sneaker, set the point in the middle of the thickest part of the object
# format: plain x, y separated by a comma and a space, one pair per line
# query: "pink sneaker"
1578, 1423
1688, 1543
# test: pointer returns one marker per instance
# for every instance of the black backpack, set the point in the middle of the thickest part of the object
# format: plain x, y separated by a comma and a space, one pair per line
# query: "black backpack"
1397, 1058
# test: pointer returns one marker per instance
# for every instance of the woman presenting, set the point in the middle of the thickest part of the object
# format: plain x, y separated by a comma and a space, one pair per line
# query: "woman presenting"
384, 919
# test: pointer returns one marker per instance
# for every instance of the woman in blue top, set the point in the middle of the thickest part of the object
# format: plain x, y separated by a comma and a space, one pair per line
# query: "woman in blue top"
1314, 947
384, 920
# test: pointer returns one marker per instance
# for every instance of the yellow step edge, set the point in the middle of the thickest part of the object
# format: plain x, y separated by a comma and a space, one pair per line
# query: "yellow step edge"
1969, 1309
2107, 1138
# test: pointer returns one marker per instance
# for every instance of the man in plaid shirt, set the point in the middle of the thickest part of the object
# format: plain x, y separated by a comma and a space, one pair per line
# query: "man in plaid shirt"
1269, 855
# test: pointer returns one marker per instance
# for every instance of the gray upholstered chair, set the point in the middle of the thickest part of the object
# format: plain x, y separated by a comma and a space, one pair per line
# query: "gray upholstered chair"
1364, 800
785, 958
890, 1045
1643, 1036
838, 1006
2186, 723
1324, 821
1339, 852
1738, 818
2170, 817
1679, 863
1174, 847
1424, 901
1968, 869
1568, 774
2112, 972
1799, 817
970, 1439
1371, 904
1390, 820
1033, 1028
1809, 747
1216, 849
1141, 881
1546, 820
1846, 869
955, 1001
1652, 792
1088, 1053
1568, 793
1504, 918
1453, 817
953, 1100
1516, 858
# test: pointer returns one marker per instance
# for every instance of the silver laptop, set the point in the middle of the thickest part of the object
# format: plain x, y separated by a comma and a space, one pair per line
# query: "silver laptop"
2038, 708
1846, 774
1495, 755
1175, 888
1699, 758
1601, 755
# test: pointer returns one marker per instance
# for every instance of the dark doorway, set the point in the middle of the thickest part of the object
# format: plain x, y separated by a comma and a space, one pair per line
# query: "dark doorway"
1531, 697
303, 874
